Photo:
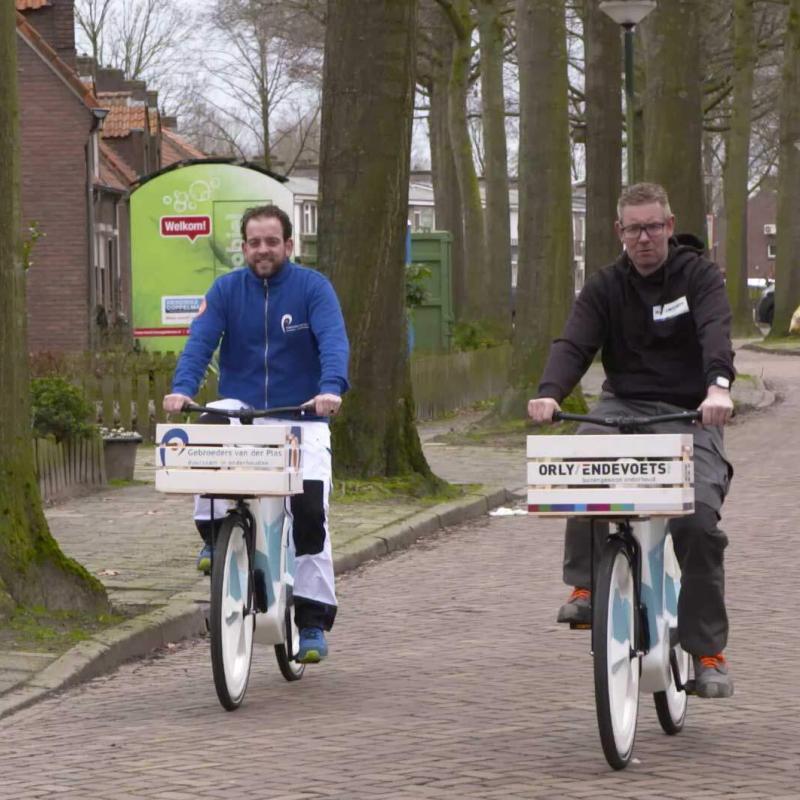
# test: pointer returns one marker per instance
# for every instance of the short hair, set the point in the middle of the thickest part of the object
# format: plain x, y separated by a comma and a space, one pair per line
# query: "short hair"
642, 193
269, 212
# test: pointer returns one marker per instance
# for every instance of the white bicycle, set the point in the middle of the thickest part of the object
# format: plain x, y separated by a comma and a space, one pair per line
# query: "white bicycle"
637, 482
255, 468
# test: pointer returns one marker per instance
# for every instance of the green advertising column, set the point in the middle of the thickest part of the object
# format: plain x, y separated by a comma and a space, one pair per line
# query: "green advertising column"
184, 234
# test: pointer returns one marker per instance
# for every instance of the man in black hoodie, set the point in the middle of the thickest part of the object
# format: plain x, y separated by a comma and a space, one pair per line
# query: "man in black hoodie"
661, 319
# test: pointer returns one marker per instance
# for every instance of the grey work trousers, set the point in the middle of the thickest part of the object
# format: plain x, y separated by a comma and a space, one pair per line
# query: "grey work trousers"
699, 543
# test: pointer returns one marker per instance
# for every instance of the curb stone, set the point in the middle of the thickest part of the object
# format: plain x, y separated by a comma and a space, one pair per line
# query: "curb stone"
771, 350
182, 618
104, 652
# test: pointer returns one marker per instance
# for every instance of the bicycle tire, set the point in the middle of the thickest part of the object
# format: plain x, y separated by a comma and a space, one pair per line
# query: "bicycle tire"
232, 621
290, 669
672, 703
616, 667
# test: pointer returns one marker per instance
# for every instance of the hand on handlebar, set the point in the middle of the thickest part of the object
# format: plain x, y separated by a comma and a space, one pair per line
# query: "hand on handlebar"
717, 408
175, 402
541, 409
325, 405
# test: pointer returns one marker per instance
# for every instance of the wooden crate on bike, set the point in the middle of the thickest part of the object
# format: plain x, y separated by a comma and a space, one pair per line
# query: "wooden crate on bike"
227, 460
616, 475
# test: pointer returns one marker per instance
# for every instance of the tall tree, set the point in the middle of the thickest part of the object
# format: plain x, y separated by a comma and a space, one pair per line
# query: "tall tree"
787, 270
544, 278
264, 64
470, 299
737, 168
435, 37
367, 106
491, 30
33, 570
673, 113
603, 89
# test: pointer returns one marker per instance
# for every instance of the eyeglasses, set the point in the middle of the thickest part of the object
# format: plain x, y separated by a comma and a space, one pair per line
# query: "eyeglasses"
269, 241
633, 232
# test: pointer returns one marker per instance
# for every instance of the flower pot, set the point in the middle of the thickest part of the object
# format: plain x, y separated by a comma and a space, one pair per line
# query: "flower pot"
120, 457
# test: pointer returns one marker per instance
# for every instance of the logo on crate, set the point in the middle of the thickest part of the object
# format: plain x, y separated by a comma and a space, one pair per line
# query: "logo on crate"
175, 439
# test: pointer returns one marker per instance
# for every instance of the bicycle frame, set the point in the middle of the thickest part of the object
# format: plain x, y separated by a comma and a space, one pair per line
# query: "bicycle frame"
656, 600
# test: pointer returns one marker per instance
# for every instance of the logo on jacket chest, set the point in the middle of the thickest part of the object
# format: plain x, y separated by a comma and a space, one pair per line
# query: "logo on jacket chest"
287, 327
671, 310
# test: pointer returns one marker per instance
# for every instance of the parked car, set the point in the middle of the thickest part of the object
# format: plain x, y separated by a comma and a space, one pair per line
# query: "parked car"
765, 307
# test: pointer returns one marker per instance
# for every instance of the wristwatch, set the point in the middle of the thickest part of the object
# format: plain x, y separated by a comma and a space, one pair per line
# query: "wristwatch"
722, 382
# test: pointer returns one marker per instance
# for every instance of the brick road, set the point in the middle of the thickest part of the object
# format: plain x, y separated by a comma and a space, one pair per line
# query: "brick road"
448, 678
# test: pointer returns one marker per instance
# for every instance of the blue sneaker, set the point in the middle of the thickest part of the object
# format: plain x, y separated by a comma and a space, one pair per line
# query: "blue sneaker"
204, 560
313, 647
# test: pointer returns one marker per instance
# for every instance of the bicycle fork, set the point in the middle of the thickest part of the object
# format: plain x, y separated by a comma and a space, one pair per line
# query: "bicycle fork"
641, 627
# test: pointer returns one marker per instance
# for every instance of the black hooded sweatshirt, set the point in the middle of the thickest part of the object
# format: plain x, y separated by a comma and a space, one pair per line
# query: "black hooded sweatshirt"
663, 337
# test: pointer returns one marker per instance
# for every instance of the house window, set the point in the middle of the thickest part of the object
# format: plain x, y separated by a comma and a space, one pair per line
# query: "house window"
422, 219
309, 217
771, 250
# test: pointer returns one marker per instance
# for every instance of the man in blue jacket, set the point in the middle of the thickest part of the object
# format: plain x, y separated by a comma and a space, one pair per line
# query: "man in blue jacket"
282, 342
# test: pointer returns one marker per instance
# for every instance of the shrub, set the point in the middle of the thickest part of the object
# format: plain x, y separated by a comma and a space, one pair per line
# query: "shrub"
60, 410
473, 336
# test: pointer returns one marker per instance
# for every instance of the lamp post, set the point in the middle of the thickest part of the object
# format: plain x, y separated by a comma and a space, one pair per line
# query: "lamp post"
628, 14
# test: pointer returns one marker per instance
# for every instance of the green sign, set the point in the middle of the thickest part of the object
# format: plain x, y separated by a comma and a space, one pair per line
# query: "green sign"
185, 233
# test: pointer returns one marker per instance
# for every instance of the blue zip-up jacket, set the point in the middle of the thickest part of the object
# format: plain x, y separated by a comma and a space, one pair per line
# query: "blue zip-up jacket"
283, 338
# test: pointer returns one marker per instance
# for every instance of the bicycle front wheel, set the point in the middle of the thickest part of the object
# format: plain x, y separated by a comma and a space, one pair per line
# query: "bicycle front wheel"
616, 665
232, 618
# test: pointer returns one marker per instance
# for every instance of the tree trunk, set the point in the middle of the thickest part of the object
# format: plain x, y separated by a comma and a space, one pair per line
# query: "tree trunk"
447, 195
673, 110
603, 136
33, 570
476, 280
497, 214
367, 105
787, 269
544, 280
737, 169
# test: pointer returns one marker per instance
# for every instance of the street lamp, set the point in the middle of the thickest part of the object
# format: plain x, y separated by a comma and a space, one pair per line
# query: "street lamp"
628, 14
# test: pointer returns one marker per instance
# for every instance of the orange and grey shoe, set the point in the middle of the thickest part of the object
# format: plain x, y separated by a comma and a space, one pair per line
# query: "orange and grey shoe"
712, 677
578, 608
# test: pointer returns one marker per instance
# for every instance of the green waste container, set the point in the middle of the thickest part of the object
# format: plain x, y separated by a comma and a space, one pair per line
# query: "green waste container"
433, 320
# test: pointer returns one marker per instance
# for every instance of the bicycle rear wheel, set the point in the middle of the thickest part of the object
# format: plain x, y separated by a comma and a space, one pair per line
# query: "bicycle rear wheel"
672, 704
232, 617
616, 665
290, 669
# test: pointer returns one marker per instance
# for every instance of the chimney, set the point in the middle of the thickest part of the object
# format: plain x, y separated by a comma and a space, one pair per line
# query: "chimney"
55, 23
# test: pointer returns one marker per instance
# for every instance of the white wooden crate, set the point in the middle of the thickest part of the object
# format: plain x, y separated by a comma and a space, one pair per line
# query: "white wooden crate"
228, 459
615, 475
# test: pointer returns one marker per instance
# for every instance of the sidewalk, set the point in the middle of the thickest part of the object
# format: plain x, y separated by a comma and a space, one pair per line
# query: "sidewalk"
143, 547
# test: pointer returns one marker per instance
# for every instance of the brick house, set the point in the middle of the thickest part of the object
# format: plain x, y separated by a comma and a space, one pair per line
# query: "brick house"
86, 135
762, 212
59, 132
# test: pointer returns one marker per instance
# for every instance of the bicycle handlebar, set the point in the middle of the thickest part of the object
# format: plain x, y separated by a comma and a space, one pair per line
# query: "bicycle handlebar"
628, 423
249, 414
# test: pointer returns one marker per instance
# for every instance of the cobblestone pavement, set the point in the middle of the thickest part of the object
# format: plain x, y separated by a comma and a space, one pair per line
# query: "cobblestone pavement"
449, 678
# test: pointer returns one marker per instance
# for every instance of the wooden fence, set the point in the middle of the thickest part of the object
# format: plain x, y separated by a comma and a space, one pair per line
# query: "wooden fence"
127, 390
63, 466
449, 381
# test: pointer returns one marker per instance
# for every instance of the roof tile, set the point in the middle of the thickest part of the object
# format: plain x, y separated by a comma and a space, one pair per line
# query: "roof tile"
28, 5
175, 148
124, 114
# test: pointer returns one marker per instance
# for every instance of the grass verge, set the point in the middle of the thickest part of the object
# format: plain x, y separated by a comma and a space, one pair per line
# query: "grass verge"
36, 629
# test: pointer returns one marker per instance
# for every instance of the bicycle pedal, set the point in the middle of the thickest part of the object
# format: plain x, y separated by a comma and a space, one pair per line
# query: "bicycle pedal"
580, 626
